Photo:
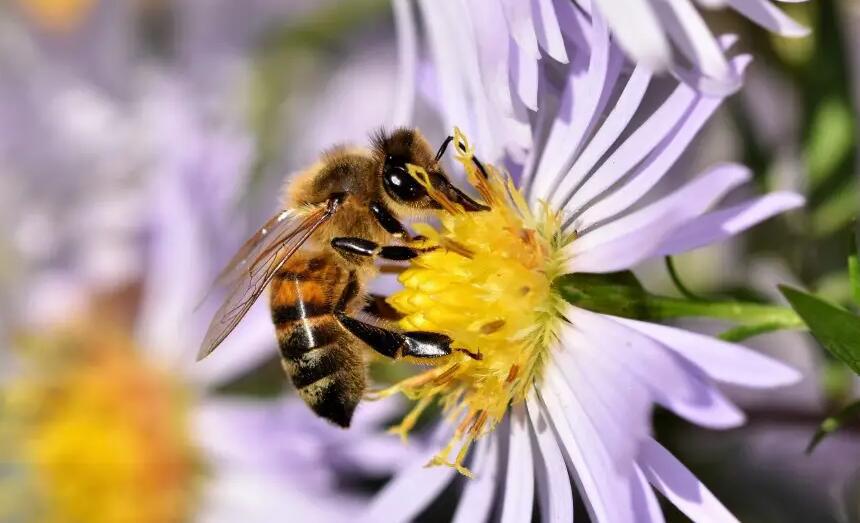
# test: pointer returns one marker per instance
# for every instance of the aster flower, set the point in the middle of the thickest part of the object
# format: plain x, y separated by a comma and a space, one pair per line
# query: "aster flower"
553, 391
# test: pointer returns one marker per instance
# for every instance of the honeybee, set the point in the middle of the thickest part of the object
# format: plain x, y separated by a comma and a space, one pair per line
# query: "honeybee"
317, 258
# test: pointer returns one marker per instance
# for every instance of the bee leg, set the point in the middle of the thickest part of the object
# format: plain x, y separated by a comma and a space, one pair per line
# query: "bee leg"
359, 247
418, 344
387, 220
378, 307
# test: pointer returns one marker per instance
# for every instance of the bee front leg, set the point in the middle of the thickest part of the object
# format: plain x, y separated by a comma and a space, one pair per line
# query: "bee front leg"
349, 246
387, 220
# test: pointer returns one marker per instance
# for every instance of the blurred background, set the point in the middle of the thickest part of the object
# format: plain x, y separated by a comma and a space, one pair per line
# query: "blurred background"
142, 141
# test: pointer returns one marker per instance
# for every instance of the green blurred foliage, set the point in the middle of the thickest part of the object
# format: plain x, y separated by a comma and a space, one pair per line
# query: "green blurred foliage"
290, 56
847, 416
836, 329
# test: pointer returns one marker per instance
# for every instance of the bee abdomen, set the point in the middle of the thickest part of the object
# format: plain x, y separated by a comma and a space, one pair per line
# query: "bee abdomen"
292, 312
319, 355
327, 374
313, 365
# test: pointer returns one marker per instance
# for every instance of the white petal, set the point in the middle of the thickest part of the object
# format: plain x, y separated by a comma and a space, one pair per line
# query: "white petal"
621, 406
525, 73
660, 124
690, 200
586, 455
616, 121
519, 485
713, 86
724, 223
765, 14
679, 485
636, 237
638, 31
713, 4
691, 34
645, 502
657, 144
493, 47
602, 476
652, 170
476, 502
709, 409
547, 29
451, 92
521, 26
722, 361
583, 100
555, 495
408, 493
407, 57
455, 55
672, 382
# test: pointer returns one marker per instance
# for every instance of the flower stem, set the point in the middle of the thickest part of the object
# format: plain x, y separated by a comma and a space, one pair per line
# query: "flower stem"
621, 294
743, 313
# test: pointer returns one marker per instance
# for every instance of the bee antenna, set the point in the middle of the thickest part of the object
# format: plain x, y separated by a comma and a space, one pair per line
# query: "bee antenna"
442, 148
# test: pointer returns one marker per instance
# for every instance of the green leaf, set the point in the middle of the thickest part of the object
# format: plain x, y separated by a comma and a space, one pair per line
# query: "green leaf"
854, 263
836, 329
846, 416
831, 138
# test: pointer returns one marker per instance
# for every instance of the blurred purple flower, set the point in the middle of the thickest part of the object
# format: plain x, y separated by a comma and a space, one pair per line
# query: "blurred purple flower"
146, 188
605, 134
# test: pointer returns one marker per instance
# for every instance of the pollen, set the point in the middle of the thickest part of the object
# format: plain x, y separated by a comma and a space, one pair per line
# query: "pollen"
484, 279
94, 434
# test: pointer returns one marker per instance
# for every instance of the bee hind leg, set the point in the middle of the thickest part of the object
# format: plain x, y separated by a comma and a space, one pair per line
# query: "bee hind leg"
418, 344
395, 345
378, 307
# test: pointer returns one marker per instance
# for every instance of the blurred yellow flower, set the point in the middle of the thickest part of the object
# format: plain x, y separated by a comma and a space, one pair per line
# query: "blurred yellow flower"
57, 15
97, 434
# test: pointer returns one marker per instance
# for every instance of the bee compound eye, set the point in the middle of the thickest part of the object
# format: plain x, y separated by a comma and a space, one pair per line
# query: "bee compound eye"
399, 183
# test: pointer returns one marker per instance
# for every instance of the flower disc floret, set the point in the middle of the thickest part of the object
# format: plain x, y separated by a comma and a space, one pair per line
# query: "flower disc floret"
485, 280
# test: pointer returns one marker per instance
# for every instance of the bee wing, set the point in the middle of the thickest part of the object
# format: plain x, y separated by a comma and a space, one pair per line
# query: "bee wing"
257, 261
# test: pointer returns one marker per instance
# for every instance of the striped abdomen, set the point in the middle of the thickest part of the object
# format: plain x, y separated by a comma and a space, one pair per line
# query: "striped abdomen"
320, 357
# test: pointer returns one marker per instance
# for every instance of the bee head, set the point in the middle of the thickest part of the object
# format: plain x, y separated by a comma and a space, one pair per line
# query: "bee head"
408, 146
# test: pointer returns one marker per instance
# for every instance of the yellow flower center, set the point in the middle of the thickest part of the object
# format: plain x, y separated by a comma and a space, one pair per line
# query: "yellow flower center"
93, 434
486, 283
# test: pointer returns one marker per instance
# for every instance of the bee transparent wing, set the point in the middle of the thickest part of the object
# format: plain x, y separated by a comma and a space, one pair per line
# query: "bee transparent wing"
252, 268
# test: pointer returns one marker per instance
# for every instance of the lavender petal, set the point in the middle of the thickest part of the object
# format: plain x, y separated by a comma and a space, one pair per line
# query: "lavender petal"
518, 497
679, 485
476, 502
722, 224
722, 361
555, 495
